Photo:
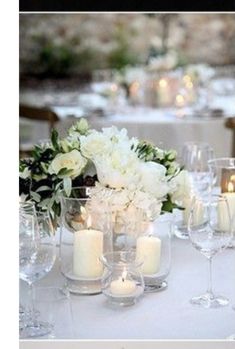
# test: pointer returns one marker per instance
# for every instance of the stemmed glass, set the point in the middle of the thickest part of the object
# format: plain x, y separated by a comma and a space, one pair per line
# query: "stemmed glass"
210, 232
37, 256
195, 157
25, 208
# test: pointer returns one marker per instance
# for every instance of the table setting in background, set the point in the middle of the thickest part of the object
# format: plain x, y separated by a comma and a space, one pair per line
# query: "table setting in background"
150, 103
110, 233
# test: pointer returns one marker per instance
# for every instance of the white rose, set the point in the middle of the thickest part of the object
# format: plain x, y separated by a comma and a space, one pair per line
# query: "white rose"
153, 179
95, 144
72, 161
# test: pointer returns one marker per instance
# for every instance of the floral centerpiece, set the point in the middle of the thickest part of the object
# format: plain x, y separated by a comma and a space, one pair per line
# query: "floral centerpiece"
130, 173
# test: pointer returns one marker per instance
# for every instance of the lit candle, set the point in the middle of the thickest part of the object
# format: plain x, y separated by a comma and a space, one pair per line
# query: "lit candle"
164, 92
179, 101
122, 286
224, 218
148, 250
87, 250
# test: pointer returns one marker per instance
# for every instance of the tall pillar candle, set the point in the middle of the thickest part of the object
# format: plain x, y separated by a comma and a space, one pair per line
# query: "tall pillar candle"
148, 250
224, 219
87, 250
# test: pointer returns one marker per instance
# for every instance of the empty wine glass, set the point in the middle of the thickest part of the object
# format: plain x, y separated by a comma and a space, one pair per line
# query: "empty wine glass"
37, 257
25, 207
195, 157
210, 232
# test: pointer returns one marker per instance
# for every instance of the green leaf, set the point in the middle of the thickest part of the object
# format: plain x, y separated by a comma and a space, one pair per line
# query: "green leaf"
43, 188
35, 196
54, 139
67, 182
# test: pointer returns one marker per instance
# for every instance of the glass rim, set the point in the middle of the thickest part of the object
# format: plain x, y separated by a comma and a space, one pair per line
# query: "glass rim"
223, 159
121, 263
197, 143
77, 187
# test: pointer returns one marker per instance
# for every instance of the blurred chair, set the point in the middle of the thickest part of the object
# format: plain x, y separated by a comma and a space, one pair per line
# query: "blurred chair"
230, 123
35, 114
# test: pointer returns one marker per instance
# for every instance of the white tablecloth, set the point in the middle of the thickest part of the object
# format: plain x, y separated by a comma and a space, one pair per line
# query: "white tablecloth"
164, 315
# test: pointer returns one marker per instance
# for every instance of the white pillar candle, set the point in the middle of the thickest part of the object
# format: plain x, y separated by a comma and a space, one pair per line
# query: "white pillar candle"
148, 250
223, 218
164, 92
122, 286
87, 250
198, 210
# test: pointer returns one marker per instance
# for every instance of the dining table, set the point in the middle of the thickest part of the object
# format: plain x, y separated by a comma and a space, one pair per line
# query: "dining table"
164, 315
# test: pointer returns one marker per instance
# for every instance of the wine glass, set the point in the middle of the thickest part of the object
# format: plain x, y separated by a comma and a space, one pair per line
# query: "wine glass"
210, 232
25, 207
195, 157
37, 256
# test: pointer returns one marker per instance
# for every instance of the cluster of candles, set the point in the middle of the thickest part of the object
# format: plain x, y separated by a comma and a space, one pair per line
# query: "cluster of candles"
88, 245
88, 249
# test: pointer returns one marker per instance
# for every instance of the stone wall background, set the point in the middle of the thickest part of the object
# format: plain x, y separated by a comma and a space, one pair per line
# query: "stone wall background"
97, 38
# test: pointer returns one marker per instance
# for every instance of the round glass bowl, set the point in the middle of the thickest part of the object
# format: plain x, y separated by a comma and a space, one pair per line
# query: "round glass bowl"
122, 281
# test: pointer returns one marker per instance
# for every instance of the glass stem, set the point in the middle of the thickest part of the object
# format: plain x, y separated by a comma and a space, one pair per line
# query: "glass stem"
31, 304
209, 287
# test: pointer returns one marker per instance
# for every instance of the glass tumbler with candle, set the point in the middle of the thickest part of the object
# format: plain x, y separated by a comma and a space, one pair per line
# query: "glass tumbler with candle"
223, 182
122, 281
85, 236
153, 247
195, 157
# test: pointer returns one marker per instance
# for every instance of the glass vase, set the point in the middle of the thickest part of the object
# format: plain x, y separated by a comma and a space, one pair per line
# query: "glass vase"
153, 246
122, 282
85, 235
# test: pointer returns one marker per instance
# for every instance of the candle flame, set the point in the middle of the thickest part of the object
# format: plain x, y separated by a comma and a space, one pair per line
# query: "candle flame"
230, 187
162, 83
124, 275
179, 100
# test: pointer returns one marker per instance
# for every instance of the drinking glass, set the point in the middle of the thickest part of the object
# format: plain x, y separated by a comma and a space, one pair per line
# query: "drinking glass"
195, 157
209, 228
25, 208
36, 258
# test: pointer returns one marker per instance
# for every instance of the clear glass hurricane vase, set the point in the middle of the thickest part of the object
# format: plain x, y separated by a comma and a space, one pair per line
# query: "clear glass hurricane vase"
85, 234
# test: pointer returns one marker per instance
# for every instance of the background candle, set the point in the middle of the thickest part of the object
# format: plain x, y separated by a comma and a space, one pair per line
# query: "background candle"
148, 250
122, 286
88, 248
